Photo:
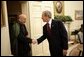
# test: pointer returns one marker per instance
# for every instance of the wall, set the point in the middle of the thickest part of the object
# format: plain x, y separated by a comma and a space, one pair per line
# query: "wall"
70, 7
5, 43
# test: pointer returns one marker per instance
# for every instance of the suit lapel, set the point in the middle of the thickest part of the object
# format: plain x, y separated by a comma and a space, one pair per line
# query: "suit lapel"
52, 24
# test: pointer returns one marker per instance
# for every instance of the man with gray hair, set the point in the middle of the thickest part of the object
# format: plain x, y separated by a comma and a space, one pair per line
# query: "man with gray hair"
56, 35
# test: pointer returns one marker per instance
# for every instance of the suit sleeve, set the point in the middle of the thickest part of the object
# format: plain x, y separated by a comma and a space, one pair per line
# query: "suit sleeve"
17, 34
29, 40
43, 37
24, 38
64, 36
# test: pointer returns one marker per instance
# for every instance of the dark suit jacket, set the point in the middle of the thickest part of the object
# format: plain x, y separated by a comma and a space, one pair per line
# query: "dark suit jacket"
58, 40
23, 42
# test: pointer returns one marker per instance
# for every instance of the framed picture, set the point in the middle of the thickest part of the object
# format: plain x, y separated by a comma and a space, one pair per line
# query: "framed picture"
58, 8
79, 14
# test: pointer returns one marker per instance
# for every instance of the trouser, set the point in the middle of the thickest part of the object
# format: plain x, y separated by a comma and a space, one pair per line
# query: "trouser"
56, 52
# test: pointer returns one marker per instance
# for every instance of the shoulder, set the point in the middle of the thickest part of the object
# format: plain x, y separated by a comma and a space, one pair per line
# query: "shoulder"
56, 21
16, 26
45, 26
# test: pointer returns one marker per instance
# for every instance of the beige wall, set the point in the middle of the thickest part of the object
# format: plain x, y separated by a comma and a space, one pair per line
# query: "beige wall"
70, 7
5, 43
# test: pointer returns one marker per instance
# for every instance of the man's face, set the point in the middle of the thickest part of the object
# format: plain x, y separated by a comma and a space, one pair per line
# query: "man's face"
22, 19
44, 18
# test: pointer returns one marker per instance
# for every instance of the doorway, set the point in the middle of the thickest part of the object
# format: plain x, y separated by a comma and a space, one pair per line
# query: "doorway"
14, 8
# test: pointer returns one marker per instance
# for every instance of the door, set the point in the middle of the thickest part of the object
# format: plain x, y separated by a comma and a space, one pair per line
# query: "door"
36, 25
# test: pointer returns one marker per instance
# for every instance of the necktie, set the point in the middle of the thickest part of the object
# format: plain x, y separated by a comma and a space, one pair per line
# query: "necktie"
48, 29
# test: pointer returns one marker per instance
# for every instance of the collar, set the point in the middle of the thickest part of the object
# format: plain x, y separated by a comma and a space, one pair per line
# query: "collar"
50, 21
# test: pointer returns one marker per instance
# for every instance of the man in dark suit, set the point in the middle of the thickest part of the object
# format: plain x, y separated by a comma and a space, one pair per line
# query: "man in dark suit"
56, 35
20, 42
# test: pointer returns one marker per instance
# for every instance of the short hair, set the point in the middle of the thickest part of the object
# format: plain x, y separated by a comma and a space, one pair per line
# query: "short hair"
18, 14
47, 13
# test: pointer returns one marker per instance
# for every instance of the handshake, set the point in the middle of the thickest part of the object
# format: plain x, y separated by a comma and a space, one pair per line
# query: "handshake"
34, 41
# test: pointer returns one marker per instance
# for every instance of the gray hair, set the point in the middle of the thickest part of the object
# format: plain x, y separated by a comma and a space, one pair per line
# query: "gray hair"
47, 13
